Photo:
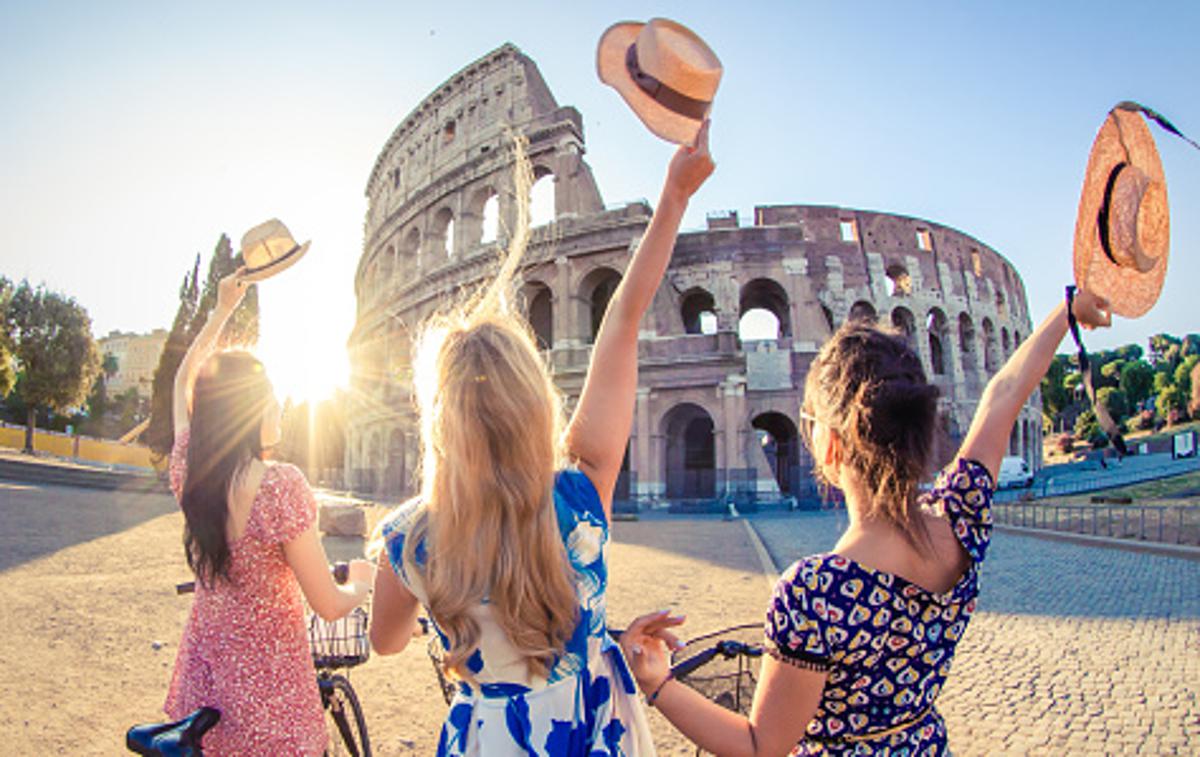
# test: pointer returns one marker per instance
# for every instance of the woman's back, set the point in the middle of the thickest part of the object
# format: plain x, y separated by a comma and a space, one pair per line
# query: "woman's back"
884, 639
587, 696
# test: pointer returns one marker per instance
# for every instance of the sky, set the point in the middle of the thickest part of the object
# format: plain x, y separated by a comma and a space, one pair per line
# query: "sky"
133, 134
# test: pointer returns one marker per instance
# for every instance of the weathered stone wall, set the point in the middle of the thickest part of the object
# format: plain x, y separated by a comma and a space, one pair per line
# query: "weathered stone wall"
714, 415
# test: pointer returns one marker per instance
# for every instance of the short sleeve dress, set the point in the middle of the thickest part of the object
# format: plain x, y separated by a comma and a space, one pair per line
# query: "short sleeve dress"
245, 646
588, 704
885, 643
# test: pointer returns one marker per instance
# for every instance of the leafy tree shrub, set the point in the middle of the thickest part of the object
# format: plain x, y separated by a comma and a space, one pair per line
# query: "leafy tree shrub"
1114, 401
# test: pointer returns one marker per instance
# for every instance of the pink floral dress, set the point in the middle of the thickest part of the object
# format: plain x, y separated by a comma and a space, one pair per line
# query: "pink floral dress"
245, 646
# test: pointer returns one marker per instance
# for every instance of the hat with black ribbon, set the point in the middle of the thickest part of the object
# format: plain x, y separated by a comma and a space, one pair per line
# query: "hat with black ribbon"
268, 249
1122, 230
666, 73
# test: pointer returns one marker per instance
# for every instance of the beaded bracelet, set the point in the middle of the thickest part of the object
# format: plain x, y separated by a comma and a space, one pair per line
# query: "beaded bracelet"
651, 699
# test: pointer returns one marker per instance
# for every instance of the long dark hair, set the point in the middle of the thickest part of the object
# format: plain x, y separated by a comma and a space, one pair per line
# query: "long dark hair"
230, 397
868, 385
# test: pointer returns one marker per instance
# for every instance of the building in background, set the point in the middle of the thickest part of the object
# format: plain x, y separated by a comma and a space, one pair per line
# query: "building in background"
716, 412
137, 357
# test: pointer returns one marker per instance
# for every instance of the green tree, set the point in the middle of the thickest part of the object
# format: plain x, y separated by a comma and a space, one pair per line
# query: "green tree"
1114, 401
8, 376
55, 353
1183, 374
1171, 404
1161, 346
1110, 373
195, 303
1055, 396
98, 401
1137, 381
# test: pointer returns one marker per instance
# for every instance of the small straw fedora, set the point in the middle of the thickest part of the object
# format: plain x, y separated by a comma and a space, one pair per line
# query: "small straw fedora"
269, 249
1122, 232
666, 73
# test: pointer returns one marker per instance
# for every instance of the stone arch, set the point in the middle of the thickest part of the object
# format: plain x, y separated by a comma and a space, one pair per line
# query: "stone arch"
906, 323
769, 295
966, 343
483, 216
441, 235
1004, 343
539, 310
699, 311
396, 470
409, 250
990, 363
595, 290
780, 443
863, 311
689, 453
543, 196
938, 340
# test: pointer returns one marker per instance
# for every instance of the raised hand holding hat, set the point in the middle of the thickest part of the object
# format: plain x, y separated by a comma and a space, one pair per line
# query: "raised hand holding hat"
664, 71
268, 249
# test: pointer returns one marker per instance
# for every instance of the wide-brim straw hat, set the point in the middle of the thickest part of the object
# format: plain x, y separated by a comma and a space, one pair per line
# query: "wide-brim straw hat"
269, 249
666, 73
1122, 232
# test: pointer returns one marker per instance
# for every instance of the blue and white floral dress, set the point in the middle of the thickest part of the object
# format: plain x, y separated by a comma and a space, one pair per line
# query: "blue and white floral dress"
588, 704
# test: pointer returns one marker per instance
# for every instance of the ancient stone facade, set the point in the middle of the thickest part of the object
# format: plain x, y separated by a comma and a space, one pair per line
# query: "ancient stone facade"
716, 415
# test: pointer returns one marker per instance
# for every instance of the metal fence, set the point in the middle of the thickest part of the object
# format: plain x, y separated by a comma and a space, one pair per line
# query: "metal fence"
1097, 479
1168, 524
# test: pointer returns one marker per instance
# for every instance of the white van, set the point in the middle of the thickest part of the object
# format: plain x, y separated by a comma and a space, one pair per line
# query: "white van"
1014, 472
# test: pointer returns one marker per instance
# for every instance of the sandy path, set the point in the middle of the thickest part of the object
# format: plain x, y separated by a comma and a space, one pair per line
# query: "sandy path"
82, 618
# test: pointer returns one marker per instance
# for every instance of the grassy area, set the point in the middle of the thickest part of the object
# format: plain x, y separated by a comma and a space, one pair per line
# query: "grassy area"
1167, 433
1052, 456
1167, 491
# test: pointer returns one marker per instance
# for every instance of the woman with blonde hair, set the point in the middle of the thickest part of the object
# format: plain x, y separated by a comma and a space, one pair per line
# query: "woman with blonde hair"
505, 545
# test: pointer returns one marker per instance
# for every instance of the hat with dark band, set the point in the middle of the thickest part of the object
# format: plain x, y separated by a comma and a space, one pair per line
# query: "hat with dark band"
268, 249
666, 73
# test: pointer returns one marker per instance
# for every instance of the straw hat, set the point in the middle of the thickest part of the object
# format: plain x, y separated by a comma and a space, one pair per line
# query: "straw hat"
268, 249
1122, 233
666, 73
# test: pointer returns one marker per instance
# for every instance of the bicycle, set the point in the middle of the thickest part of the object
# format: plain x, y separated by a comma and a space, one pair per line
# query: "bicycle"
335, 645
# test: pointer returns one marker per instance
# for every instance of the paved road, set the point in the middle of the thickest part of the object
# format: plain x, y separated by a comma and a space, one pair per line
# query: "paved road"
1075, 649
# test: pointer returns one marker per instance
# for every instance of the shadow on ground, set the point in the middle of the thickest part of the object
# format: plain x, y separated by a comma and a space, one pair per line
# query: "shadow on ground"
38, 520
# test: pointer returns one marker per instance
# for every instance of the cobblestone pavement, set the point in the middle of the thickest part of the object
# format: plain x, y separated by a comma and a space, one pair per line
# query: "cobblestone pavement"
1075, 649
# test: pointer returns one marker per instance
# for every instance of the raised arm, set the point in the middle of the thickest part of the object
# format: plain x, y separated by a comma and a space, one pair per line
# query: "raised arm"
987, 439
230, 292
599, 428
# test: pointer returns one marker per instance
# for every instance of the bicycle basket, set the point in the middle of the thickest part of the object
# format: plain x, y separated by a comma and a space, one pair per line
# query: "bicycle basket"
730, 673
341, 643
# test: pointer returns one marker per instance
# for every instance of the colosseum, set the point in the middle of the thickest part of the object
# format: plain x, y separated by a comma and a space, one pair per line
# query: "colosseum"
716, 409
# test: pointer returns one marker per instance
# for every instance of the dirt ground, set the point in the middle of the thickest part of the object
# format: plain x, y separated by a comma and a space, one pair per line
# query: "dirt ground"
91, 622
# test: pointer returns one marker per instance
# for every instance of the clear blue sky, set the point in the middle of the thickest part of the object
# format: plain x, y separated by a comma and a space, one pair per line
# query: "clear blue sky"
134, 133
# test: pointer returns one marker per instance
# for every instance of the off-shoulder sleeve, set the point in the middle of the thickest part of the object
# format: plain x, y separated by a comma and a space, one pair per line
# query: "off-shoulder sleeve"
177, 463
395, 529
287, 507
796, 620
964, 490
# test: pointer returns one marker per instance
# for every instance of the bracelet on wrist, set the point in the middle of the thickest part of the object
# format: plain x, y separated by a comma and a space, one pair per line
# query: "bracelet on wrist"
654, 697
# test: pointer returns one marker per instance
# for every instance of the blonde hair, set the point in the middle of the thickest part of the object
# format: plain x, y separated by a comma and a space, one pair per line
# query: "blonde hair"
491, 430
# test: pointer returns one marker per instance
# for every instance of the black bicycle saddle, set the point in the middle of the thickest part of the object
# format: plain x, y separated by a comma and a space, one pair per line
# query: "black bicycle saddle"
178, 739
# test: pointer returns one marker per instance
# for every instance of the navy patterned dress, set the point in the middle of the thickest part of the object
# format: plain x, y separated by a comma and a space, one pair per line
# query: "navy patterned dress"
885, 643
588, 704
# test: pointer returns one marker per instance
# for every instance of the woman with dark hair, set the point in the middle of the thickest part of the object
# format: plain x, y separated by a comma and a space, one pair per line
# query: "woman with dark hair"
860, 639
250, 538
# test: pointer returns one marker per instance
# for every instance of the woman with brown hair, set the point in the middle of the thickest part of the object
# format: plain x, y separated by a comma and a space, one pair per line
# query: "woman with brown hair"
251, 539
505, 545
860, 639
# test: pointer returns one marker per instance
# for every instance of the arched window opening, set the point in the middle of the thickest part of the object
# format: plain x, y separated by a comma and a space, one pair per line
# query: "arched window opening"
758, 324
990, 363
699, 312
442, 236
780, 444
690, 452
539, 310
491, 220
768, 295
899, 283
966, 343
936, 325
595, 291
863, 311
410, 249
902, 319
541, 197
1004, 341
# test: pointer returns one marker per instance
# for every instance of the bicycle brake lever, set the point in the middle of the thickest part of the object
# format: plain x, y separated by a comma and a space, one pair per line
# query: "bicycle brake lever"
688, 666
